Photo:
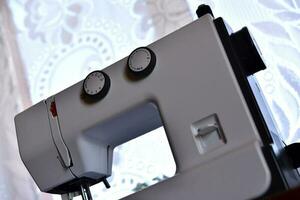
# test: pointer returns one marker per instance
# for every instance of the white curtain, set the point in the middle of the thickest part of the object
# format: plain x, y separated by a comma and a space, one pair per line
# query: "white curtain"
57, 42
61, 41
15, 182
275, 24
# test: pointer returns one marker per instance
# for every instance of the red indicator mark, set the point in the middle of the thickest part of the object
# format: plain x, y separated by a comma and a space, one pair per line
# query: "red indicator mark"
53, 109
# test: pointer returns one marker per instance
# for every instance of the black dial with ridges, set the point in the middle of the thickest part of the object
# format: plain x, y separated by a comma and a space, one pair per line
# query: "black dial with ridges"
141, 62
96, 84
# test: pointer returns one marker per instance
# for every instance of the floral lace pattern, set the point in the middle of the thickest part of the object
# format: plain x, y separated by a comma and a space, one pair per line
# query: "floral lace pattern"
160, 16
285, 44
55, 21
60, 41
275, 25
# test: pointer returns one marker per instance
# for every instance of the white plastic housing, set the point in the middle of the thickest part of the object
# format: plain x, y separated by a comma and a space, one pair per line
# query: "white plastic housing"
191, 81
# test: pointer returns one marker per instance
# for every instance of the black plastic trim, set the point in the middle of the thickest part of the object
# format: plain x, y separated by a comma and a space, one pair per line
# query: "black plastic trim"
243, 82
278, 183
74, 185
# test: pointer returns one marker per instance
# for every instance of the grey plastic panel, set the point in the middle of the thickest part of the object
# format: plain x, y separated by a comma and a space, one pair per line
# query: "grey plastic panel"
37, 149
62, 150
191, 81
211, 181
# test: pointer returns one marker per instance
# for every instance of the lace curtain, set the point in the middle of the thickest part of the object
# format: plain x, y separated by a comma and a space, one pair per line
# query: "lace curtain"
275, 25
58, 42
15, 182
61, 41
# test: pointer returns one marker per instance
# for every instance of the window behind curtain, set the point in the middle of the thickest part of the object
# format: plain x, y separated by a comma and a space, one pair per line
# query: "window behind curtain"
275, 25
61, 41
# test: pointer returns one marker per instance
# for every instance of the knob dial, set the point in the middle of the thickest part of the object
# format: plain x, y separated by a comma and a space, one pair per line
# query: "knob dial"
96, 84
141, 61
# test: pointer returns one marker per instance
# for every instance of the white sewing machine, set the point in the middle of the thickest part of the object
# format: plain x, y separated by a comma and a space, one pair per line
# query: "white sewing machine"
199, 81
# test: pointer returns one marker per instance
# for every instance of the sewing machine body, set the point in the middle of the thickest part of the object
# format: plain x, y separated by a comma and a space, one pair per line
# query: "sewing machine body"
193, 91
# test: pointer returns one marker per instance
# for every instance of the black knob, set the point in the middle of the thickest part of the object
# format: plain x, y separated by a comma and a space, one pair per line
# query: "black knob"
203, 10
247, 52
96, 85
141, 62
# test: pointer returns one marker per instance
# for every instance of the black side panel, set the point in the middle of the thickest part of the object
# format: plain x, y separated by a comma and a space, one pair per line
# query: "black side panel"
278, 183
242, 79
243, 82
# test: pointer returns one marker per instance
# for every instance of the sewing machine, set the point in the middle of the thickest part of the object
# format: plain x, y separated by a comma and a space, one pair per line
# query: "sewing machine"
196, 82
